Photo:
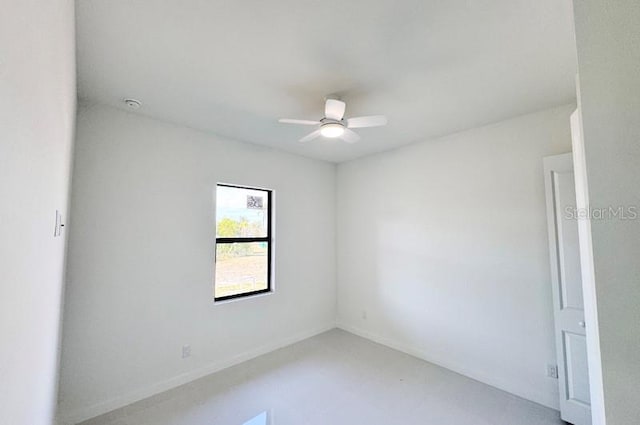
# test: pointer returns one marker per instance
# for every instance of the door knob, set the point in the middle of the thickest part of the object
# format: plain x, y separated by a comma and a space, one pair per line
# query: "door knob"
582, 324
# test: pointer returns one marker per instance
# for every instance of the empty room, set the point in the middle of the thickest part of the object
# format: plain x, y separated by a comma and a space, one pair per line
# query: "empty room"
319, 212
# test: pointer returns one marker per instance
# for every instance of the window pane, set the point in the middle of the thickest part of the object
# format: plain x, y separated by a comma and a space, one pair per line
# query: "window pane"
241, 212
240, 267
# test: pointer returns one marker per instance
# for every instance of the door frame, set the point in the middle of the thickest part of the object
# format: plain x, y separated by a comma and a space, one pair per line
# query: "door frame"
588, 274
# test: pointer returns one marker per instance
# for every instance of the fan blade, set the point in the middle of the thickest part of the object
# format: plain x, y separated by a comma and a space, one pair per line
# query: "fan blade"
371, 121
310, 136
350, 136
334, 109
302, 122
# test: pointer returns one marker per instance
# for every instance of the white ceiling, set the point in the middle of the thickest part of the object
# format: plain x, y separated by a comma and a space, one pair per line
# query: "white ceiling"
234, 67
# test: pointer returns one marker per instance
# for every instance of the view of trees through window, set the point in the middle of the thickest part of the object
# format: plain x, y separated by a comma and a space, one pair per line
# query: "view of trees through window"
242, 241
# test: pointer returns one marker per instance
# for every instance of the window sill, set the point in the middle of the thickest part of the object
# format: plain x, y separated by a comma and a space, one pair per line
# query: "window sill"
248, 297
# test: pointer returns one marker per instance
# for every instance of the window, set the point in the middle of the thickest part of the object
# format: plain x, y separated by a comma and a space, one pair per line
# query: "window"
243, 242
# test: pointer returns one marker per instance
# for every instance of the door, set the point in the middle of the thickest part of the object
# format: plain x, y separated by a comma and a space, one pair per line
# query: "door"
568, 303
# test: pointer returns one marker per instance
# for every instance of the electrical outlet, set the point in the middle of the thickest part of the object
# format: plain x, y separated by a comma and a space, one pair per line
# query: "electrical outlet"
186, 351
552, 371
364, 314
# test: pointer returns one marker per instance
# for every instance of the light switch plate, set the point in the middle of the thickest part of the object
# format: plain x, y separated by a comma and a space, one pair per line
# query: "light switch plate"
57, 230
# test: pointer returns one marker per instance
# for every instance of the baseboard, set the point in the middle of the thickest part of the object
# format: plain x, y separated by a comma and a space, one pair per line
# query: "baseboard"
534, 396
89, 412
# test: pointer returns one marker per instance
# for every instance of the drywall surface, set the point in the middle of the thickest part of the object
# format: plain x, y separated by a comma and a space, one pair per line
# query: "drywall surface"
141, 254
608, 45
37, 114
442, 251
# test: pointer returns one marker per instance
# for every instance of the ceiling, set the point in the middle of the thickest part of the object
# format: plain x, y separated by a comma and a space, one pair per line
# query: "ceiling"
233, 68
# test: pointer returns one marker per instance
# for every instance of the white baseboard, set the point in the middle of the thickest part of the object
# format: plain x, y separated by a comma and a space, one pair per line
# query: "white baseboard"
89, 412
544, 399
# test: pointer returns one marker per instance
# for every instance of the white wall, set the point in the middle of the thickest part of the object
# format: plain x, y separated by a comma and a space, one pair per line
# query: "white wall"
442, 251
37, 113
141, 250
608, 45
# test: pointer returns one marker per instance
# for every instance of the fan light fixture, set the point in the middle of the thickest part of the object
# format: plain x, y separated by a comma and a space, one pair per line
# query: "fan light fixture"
332, 130
334, 125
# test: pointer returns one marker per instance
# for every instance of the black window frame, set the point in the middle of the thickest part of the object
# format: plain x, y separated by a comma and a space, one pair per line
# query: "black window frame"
268, 239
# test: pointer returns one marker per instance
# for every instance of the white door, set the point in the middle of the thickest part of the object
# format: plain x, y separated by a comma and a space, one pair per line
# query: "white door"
568, 303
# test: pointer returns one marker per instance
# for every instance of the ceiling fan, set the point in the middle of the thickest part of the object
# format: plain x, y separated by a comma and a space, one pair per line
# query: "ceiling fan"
335, 125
